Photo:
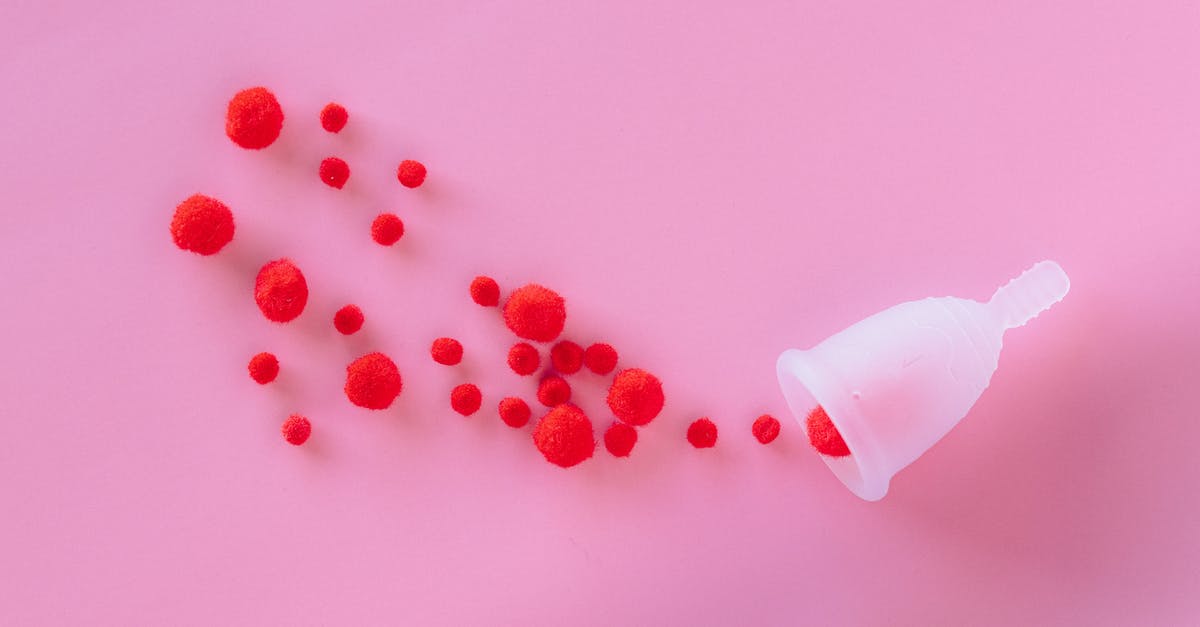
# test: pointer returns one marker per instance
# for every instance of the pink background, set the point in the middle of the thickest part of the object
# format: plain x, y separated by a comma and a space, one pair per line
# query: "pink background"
708, 187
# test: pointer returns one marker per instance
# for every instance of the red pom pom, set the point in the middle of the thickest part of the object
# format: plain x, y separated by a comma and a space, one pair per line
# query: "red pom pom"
567, 357
765, 429
702, 433
334, 117
446, 351
485, 291
600, 358
619, 439
514, 412
254, 118
202, 225
348, 320
535, 313
373, 381
334, 172
264, 367
564, 436
635, 397
523, 359
387, 229
280, 290
823, 435
411, 173
296, 429
466, 399
553, 391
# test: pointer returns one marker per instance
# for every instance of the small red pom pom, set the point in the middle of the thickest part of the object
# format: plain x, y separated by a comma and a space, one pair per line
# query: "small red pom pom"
348, 320
765, 429
485, 291
466, 399
373, 381
702, 433
202, 225
446, 351
334, 117
600, 358
387, 229
564, 436
254, 118
553, 391
334, 172
514, 412
823, 435
280, 290
567, 357
635, 397
524, 359
535, 313
296, 429
264, 367
411, 173
619, 439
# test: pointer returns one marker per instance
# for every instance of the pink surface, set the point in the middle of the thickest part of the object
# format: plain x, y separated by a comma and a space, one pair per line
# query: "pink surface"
708, 187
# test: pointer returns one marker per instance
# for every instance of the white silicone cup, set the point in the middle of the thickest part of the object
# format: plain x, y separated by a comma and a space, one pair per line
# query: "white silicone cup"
896, 382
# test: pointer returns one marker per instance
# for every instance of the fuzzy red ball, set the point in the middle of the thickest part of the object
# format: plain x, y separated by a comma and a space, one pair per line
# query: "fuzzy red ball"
254, 118
514, 412
553, 391
280, 290
620, 438
600, 358
296, 429
523, 358
765, 429
485, 291
466, 399
411, 173
635, 396
823, 435
348, 320
446, 351
334, 117
567, 357
535, 313
263, 367
373, 381
334, 172
387, 229
564, 436
702, 433
202, 224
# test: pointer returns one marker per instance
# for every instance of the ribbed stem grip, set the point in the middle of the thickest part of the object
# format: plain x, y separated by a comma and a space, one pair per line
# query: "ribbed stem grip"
1028, 295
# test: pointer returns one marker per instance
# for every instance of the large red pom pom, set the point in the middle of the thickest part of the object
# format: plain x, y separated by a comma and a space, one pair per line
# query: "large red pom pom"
387, 229
702, 433
514, 412
348, 320
635, 397
334, 117
523, 358
619, 439
373, 381
567, 357
334, 172
446, 351
264, 367
485, 291
600, 358
202, 225
254, 118
296, 429
280, 290
553, 391
411, 173
535, 313
466, 399
765, 429
823, 435
564, 436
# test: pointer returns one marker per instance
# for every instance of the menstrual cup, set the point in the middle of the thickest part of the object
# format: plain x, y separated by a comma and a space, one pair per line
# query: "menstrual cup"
896, 382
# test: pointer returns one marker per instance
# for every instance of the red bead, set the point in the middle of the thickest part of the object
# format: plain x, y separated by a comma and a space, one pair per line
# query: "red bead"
600, 358
702, 433
387, 229
280, 290
466, 399
373, 381
263, 367
446, 351
348, 320
635, 397
202, 225
620, 438
823, 435
524, 359
334, 117
535, 313
514, 412
553, 390
254, 118
411, 173
765, 429
567, 357
564, 436
485, 291
334, 172
296, 429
